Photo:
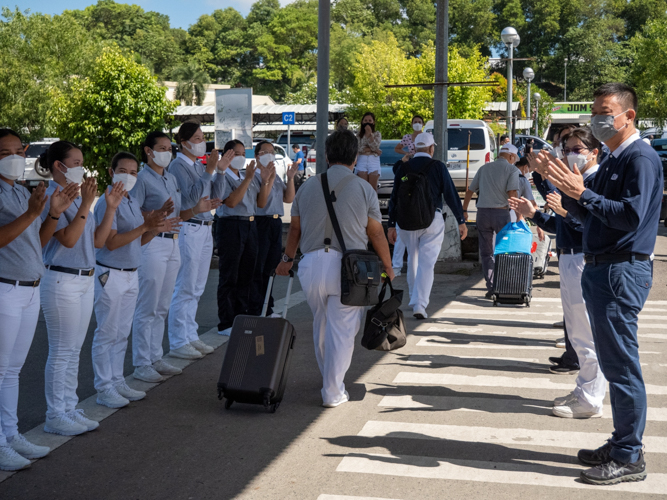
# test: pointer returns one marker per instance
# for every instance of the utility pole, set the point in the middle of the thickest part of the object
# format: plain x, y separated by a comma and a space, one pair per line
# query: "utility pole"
323, 36
440, 109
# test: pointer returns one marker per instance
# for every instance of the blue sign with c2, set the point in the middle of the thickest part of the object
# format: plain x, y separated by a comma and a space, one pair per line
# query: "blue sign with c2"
288, 118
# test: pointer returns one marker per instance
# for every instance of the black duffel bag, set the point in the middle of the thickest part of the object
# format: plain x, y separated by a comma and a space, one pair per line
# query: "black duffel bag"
360, 269
385, 326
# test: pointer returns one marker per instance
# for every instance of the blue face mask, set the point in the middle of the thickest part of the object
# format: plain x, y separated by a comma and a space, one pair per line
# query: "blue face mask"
603, 128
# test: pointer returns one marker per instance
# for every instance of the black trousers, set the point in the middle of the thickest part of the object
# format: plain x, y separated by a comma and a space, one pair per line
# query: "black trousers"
569, 358
237, 252
270, 237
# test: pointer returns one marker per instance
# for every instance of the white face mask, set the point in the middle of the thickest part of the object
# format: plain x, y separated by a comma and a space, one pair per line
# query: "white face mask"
162, 158
579, 159
238, 162
73, 175
417, 127
12, 167
266, 159
128, 180
198, 149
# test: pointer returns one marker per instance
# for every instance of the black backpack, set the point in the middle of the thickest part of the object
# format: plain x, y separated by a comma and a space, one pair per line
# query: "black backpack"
415, 208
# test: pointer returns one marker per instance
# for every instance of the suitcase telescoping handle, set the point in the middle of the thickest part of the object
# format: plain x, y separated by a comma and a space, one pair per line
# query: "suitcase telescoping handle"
269, 289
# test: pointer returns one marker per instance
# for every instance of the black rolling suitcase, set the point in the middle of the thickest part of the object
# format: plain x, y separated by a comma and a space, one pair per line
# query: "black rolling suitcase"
258, 358
513, 279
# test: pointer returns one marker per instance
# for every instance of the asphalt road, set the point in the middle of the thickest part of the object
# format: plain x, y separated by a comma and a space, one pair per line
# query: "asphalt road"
462, 411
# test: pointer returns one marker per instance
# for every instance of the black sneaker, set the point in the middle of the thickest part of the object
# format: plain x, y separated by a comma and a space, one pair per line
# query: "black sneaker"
596, 457
561, 369
488, 295
613, 472
554, 360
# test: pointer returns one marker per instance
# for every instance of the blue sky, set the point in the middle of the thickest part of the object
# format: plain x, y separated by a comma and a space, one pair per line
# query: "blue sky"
182, 13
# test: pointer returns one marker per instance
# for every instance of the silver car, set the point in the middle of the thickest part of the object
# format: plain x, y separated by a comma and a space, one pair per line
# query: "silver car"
35, 173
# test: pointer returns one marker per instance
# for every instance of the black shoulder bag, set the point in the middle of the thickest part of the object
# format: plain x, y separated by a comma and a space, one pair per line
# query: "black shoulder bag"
360, 269
384, 329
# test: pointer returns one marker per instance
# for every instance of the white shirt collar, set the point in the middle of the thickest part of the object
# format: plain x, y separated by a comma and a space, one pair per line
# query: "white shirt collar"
590, 171
624, 145
422, 155
234, 176
184, 158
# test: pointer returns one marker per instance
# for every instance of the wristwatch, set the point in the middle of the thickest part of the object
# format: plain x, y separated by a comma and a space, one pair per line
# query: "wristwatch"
286, 259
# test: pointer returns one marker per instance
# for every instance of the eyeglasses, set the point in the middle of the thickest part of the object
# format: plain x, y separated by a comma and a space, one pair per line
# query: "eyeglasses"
262, 153
575, 150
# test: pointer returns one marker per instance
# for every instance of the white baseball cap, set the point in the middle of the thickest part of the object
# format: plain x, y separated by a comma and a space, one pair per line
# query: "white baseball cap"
424, 140
509, 148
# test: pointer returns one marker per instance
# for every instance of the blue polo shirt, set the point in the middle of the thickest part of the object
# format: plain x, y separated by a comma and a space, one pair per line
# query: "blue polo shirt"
195, 183
21, 260
621, 211
274, 204
247, 207
152, 190
299, 155
439, 180
128, 216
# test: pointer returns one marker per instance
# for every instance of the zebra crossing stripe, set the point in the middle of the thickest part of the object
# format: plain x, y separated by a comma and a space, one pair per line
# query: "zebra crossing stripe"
535, 333
345, 497
449, 380
533, 474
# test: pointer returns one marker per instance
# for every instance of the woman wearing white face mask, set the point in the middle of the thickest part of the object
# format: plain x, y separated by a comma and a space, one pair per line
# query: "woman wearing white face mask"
21, 269
117, 283
237, 233
368, 160
407, 144
67, 290
156, 189
202, 188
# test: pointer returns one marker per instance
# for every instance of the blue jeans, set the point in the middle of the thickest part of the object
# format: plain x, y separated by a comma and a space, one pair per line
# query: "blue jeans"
614, 295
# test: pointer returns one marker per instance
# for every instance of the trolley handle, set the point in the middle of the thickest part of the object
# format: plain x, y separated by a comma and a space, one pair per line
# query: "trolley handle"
269, 289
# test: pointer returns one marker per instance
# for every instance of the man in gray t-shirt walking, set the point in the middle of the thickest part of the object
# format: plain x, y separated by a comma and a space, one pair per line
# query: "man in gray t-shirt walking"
494, 183
334, 325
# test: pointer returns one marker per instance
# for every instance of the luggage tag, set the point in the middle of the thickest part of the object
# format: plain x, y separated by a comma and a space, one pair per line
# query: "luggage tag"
104, 277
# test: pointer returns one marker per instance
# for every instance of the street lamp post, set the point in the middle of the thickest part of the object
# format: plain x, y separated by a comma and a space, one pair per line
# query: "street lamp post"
511, 39
537, 98
565, 85
528, 75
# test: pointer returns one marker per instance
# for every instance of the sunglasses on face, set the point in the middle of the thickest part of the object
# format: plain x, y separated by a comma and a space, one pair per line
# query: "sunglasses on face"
575, 150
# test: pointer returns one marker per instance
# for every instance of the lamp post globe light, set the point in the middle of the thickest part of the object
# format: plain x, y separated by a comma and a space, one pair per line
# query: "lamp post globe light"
528, 75
537, 98
511, 39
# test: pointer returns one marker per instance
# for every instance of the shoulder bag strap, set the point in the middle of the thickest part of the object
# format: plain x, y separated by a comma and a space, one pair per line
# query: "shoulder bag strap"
332, 213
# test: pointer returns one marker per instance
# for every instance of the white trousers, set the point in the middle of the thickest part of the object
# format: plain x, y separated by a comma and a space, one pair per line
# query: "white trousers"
591, 384
19, 311
399, 251
334, 325
196, 246
114, 309
423, 249
160, 261
67, 303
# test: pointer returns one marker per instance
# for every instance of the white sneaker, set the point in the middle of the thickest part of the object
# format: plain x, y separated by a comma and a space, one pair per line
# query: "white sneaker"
564, 399
574, 409
561, 343
226, 332
276, 315
419, 313
27, 449
111, 399
10, 460
148, 374
128, 393
344, 399
202, 347
186, 352
164, 368
64, 426
81, 418
397, 272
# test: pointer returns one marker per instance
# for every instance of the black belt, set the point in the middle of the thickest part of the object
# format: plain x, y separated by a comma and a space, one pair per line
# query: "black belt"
615, 258
20, 283
239, 217
569, 251
116, 268
200, 222
71, 270
274, 216
172, 236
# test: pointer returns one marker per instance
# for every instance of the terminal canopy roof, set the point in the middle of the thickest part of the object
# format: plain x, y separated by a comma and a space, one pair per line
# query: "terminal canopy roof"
263, 114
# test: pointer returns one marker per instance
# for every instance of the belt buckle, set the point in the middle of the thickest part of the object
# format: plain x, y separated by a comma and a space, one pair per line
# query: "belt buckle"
251, 218
175, 237
35, 283
275, 216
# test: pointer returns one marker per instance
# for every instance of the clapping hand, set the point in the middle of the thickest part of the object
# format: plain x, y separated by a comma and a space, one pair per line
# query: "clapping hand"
555, 203
291, 172
567, 181
88, 191
206, 205
153, 220
62, 199
168, 207
268, 173
250, 169
522, 206
115, 195
37, 201
226, 160
169, 225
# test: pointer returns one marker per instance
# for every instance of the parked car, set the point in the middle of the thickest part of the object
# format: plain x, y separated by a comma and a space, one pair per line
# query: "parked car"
660, 146
35, 173
482, 148
305, 140
539, 144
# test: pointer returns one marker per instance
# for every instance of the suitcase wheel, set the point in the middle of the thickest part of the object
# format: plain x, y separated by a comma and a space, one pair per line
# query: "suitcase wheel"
274, 407
228, 403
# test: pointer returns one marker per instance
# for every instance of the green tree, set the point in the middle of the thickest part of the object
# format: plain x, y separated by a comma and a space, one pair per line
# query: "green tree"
111, 110
191, 83
649, 70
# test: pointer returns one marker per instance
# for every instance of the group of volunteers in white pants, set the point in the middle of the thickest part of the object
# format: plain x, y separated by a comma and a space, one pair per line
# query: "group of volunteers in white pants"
144, 252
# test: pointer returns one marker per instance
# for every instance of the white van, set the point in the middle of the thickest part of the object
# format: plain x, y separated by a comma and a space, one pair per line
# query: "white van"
482, 148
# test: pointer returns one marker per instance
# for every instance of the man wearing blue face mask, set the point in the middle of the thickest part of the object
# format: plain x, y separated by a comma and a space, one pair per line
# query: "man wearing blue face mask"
620, 214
